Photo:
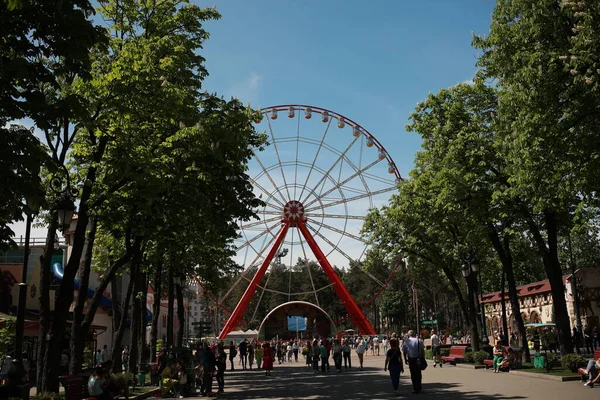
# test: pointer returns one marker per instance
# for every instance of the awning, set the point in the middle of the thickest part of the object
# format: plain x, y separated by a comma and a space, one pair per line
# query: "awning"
541, 325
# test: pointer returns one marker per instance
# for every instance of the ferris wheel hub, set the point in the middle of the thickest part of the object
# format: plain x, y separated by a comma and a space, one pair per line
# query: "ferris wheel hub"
293, 211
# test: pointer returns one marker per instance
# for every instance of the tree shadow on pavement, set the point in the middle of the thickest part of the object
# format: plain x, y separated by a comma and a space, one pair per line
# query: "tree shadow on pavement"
287, 382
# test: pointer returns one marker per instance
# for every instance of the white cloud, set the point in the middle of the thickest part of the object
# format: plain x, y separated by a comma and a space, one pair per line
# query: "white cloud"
248, 89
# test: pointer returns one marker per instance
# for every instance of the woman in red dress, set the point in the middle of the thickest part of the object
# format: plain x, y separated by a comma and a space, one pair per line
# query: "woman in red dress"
267, 358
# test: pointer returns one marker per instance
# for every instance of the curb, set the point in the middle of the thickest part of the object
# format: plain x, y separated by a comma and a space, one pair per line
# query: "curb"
546, 377
469, 366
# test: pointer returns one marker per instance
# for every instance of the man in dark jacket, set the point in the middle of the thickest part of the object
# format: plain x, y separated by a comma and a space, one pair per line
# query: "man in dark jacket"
210, 363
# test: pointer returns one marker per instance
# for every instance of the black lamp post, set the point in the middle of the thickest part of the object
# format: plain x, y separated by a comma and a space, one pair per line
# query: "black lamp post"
33, 206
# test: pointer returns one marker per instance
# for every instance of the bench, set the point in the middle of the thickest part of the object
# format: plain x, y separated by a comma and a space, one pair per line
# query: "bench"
582, 371
490, 363
457, 353
76, 386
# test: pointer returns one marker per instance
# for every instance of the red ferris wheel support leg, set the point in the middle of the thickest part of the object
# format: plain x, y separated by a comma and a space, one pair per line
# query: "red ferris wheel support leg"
251, 289
356, 315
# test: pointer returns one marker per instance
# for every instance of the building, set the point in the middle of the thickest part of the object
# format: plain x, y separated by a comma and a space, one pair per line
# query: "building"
535, 301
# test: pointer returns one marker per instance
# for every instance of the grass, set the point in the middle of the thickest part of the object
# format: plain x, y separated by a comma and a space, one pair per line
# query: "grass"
556, 371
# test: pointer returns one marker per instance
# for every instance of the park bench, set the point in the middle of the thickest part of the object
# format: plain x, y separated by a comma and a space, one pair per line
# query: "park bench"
582, 371
490, 363
457, 353
76, 386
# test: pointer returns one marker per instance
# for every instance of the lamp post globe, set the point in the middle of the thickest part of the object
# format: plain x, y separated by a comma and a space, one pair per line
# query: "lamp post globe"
65, 209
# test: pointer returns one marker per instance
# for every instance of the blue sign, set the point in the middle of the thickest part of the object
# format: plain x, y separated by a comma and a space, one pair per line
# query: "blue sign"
296, 323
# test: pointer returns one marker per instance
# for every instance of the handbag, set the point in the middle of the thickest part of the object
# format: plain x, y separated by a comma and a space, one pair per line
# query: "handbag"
422, 363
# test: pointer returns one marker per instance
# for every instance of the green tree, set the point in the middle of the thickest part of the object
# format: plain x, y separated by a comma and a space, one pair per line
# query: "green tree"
549, 113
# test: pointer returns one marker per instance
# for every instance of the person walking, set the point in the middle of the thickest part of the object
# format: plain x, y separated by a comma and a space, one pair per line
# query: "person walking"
244, 353
337, 355
251, 353
393, 362
413, 350
360, 352
125, 358
267, 358
221, 367
295, 349
232, 353
346, 351
315, 353
435, 348
210, 364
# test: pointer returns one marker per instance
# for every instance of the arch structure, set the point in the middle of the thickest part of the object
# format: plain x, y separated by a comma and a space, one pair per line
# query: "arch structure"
275, 324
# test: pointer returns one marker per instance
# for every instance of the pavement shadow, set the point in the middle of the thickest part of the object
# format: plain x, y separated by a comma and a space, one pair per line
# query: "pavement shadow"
290, 382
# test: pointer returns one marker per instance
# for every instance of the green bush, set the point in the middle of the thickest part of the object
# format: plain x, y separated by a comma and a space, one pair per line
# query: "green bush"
479, 356
122, 380
445, 352
553, 360
469, 357
49, 396
429, 354
572, 361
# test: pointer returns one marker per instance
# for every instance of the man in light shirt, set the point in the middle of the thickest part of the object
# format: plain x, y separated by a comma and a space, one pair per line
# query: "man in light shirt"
413, 352
435, 347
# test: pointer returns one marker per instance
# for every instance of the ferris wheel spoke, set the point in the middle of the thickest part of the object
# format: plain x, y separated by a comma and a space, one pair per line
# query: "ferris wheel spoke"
265, 191
315, 159
278, 159
380, 179
339, 216
340, 184
268, 230
297, 150
258, 223
373, 277
312, 282
264, 248
329, 242
260, 299
266, 172
350, 199
341, 232
327, 174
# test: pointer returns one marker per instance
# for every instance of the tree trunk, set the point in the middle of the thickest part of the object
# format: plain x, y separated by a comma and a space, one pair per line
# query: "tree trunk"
156, 310
64, 297
555, 276
180, 315
44, 300
143, 348
170, 308
504, 319
117, 310
77, 335
504, 253
136, 313
118, 335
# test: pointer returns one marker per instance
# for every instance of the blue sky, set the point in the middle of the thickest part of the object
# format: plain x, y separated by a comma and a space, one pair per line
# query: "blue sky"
370, 61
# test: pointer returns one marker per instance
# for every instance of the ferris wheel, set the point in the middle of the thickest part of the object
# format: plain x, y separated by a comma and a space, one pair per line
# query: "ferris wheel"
318, 178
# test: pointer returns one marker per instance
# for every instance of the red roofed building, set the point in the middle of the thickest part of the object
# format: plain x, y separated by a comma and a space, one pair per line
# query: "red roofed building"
535, 300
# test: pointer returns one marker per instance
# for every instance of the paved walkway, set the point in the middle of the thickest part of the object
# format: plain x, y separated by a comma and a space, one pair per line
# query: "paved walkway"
296, 381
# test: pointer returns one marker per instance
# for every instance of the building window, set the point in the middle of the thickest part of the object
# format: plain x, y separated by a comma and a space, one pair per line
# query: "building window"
164, 321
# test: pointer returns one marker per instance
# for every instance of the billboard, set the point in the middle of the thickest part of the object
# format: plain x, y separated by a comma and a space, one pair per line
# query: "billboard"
296, 323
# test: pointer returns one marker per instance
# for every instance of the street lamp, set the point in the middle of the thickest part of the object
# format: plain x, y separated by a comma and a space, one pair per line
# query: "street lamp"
65, 210
33, 206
